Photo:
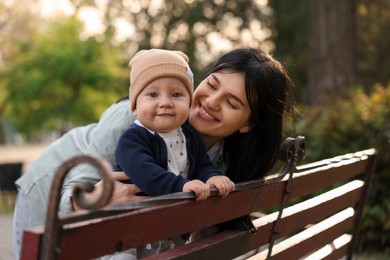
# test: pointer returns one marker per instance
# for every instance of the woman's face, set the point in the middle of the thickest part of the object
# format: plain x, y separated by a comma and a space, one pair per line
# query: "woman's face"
220, 107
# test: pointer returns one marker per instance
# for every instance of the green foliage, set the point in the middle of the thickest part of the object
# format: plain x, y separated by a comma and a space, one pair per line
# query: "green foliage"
61, 79
347, 124
350, 125
373, 19
290, 33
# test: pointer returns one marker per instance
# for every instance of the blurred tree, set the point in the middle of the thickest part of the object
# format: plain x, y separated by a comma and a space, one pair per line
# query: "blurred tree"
367, 50
16, 23
290, 31
202, 29
373, 26
332, 49
60, 80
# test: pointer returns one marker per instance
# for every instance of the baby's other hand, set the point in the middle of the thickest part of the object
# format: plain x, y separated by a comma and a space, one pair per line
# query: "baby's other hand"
223, 184
201, 190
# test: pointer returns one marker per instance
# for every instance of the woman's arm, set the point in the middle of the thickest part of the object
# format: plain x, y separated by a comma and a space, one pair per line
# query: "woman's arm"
100, 140
122, 192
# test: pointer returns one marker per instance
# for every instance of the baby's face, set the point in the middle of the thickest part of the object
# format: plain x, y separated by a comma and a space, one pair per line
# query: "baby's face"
163, 105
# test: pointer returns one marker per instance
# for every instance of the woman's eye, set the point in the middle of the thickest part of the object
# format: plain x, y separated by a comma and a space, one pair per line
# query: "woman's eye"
231, 104
211, 85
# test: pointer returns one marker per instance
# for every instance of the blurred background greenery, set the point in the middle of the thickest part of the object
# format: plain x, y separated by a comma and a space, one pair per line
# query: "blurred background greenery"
63, 63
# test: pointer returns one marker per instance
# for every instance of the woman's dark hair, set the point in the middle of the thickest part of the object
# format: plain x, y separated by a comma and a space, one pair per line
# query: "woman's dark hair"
251, 155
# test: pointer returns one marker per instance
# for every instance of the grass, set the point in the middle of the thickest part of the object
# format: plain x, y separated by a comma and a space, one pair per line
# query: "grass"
371, 256
7, 202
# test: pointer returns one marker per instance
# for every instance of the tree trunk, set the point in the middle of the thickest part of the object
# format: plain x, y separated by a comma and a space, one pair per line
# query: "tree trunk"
332, 50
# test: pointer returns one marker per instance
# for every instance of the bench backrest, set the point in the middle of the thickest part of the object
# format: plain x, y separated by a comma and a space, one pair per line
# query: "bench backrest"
314, 211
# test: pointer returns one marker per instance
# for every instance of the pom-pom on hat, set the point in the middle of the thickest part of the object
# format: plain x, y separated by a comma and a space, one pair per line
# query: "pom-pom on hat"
149, 65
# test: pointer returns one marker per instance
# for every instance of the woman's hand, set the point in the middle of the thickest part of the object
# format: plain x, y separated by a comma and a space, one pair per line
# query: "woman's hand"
223, 184
201, 190
122, 192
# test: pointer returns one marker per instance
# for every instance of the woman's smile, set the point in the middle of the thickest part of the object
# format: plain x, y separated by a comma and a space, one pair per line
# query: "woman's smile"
203, 113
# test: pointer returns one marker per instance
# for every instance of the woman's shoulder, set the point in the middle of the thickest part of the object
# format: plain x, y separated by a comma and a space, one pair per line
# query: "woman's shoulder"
118, 110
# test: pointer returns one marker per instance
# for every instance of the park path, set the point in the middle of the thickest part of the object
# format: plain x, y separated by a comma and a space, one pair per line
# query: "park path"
14, 153
21, 153
6, 237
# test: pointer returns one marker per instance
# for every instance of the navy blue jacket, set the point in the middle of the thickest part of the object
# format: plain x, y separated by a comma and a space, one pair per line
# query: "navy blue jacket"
143, 157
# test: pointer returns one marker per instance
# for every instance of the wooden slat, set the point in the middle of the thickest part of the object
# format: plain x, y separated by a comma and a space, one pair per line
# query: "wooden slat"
295, 218
360, 154
31, 243
307, 182
338, 253
314, 237
236, 243
189, 216
335, 250
298, 216
316, 209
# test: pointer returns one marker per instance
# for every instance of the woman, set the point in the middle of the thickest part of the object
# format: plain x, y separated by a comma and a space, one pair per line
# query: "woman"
237, 109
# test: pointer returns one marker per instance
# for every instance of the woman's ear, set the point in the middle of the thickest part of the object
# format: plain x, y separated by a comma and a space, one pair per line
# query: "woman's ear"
245, 129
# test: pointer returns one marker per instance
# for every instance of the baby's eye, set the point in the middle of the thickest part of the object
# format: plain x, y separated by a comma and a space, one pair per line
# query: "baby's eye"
176, 94
153, 94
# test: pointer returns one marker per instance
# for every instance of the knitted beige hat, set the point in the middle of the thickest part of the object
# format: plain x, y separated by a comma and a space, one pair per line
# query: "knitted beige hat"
149, 65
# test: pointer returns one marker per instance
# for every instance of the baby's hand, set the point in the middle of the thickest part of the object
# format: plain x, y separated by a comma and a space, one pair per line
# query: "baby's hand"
201, 190
223, 184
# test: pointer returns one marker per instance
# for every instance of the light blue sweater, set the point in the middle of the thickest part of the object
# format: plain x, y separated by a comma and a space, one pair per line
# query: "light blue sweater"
96, 139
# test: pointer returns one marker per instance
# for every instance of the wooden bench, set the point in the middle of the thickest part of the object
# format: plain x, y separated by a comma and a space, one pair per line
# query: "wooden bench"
311, 211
